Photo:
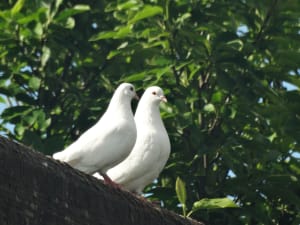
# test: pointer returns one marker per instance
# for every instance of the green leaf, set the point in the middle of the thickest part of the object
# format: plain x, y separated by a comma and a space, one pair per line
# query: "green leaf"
135, 77
127, 5
209, 108
58, 3
73, 11
147, 11
20, 129
214, 203
14, 113
113, 53
45, 56
217, 97
81, 8
38, 30
30, 119
181, 194
69, 23
180, 190
34, 83
17, 7
2, 99
121, 32
37, 16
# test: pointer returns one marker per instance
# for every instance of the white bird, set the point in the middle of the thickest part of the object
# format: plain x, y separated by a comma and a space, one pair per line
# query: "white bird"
152, 148
109, 141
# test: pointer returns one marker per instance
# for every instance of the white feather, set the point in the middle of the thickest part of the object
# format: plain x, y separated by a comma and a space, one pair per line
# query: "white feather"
151, 150
109, 141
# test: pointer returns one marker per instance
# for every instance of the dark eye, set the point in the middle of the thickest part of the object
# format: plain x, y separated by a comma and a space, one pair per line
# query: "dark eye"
154, 93
131, 88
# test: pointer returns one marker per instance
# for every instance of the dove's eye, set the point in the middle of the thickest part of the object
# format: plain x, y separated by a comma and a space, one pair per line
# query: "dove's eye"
131, 88
154, 93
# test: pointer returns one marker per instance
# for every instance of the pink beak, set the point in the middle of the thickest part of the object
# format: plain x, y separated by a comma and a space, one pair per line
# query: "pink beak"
163, 98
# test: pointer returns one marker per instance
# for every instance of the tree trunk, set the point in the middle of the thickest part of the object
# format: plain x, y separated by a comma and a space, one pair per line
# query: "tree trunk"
37, 190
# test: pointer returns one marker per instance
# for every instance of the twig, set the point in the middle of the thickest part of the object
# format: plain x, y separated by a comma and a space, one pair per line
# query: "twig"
266, 21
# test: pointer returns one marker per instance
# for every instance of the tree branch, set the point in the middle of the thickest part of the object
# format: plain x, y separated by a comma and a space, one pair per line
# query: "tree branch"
266, 21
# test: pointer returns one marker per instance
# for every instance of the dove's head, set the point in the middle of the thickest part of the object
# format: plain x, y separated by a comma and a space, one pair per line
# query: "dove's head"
127, 90
155, 94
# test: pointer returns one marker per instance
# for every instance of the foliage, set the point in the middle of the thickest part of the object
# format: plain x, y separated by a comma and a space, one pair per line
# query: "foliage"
181, 194
224, 65
204, 203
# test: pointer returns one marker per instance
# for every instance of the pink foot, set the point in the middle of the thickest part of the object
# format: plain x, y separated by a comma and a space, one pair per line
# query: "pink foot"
109, 181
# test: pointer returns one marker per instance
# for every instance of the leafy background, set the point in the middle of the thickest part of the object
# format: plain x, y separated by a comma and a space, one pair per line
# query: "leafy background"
230, 70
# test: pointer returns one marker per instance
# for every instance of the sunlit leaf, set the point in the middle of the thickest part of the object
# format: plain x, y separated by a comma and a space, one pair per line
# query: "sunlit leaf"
12, 112
209, 108
214, 203
120, 33
72, 11
20, 129
37, 16
146, 12
38, 30
17, 7
34, 83
2, 99
46, 52
135, 77
180, 190
127, 5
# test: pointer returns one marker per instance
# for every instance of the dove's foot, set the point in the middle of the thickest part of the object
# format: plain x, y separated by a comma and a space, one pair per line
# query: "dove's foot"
109, 181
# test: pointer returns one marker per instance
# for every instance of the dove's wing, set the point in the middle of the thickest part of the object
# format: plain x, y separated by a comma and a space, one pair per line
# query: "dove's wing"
99, 147
152, 147
145, 162
109, 141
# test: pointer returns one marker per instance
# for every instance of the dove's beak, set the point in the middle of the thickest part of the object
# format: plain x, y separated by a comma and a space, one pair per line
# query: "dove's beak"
163, 98
137, 97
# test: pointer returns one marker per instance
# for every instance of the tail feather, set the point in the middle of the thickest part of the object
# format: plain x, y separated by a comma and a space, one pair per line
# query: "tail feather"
59, 156
63, 156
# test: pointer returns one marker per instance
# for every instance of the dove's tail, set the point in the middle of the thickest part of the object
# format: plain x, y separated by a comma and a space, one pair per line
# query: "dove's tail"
64, 156
59, 156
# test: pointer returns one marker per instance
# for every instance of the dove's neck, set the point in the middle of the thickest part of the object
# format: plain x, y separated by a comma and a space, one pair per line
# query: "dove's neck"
121, 106
148, 114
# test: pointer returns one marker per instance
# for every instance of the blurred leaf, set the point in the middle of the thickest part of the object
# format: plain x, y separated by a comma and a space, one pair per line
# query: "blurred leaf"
72, 11
209, 108
12, 112
135, 77
180, 190
38, 30
69, 23
120, 33
146, 12
127, 5
34, 83
181, 194
217, 97
46, 52
20, 129
37, 16
17, 7
2, 99
213, 203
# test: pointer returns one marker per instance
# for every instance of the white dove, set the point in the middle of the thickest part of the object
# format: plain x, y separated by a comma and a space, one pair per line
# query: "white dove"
109, 141
152, 148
